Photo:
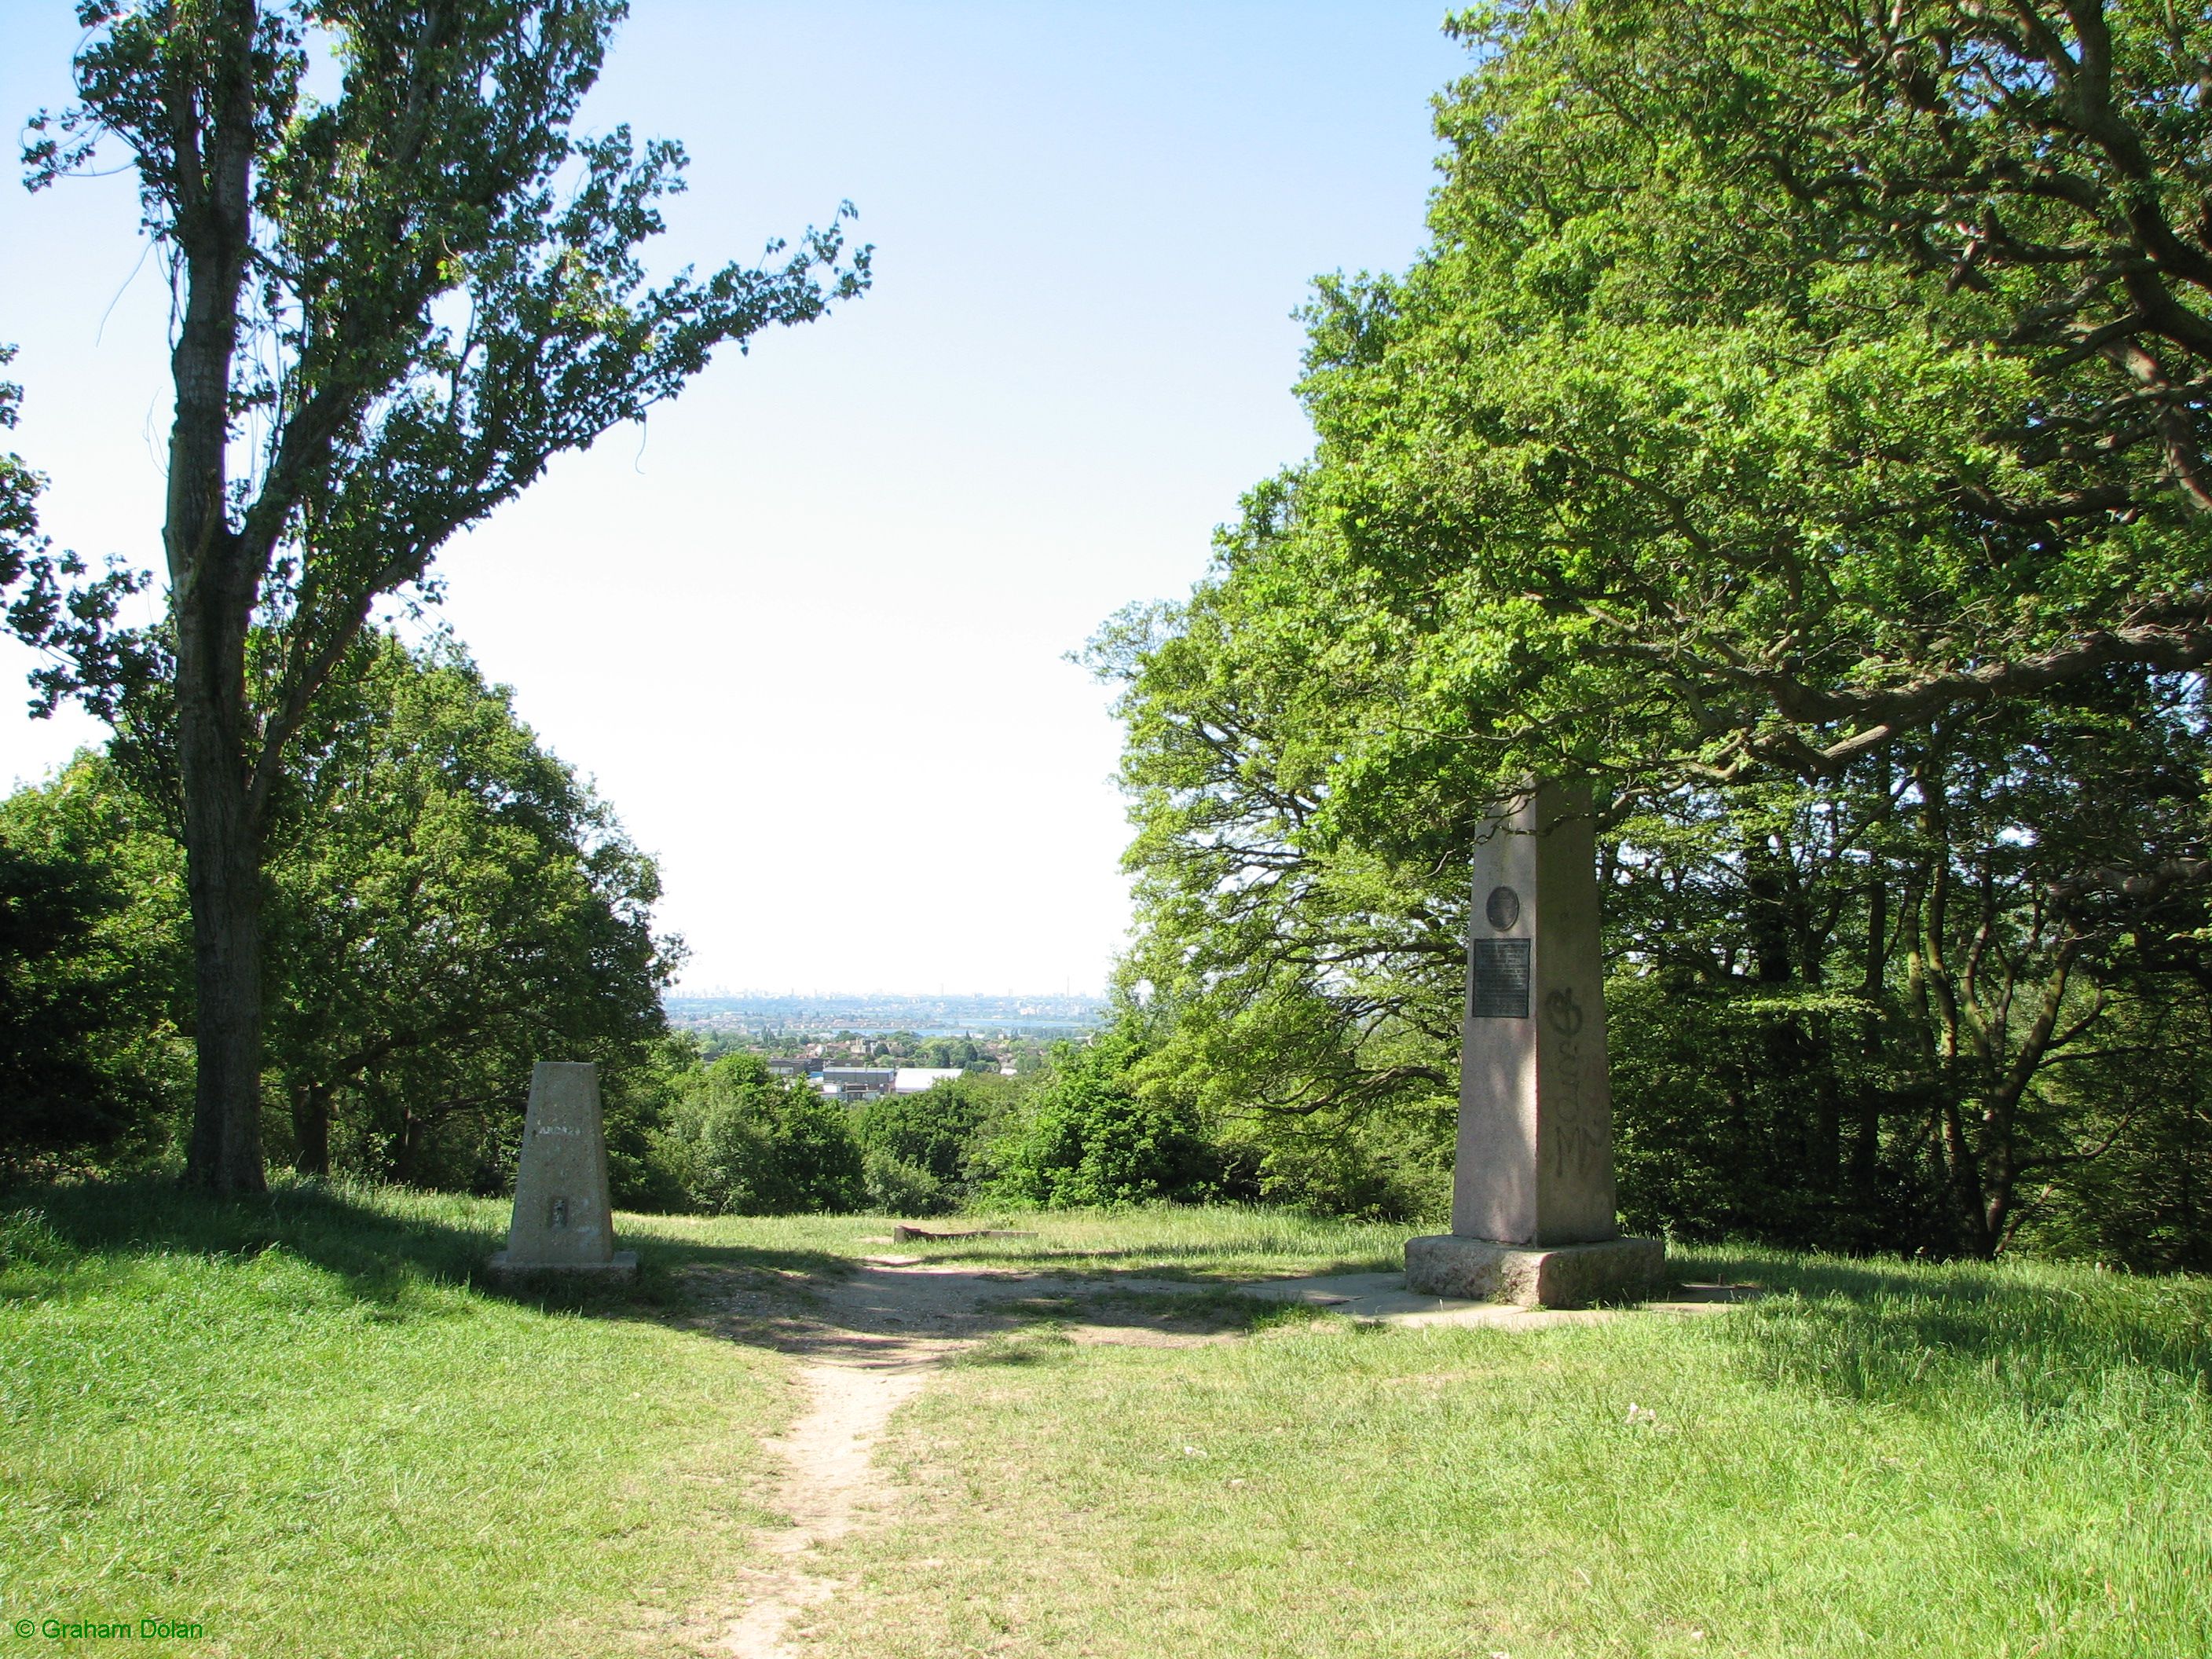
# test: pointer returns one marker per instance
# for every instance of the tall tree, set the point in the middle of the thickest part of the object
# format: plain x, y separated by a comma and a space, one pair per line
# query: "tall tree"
1796, 397
393, 307
1780, 377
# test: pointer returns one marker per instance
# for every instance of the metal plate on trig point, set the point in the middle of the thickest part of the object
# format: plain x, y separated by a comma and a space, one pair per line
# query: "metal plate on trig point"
1498, 984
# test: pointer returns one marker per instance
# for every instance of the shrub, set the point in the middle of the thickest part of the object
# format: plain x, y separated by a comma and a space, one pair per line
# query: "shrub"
894, 1187
746, 1143
944, 1134
92, 1073
1381, 1164
1090, 1140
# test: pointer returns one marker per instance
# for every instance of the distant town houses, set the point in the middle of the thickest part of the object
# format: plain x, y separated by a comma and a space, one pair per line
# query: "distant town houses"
851, 1083
1044, 1018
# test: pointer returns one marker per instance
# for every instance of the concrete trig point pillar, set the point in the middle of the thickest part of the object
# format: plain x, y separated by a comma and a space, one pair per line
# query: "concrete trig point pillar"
563, 1223
1532, 1188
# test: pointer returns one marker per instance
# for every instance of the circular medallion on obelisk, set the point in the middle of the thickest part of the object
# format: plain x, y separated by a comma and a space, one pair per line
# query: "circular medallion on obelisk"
1503, 908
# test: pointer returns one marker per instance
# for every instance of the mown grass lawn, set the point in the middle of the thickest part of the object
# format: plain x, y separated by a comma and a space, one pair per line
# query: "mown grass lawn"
303, 1425
1880, 1459
1161, 1241
297, 1424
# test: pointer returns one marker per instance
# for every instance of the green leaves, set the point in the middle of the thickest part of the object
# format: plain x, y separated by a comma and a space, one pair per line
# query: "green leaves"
447, 902
1683, 371
748, 1143
404, 301
395, 307
19, 490
1087, 1138
88, 969
1796, 422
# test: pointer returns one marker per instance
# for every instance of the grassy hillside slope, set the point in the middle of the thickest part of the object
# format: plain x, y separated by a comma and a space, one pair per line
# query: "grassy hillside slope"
1882, 1459
301, 1424
297, 1425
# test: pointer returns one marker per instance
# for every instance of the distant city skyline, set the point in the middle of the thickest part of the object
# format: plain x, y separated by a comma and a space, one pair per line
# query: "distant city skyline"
867, 549
923, 1013
725, 993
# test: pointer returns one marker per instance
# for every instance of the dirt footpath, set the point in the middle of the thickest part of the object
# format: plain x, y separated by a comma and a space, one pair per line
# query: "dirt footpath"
867, 1342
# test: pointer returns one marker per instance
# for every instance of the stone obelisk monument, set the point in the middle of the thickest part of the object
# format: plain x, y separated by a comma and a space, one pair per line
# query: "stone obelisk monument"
563, 1224
1532, 1188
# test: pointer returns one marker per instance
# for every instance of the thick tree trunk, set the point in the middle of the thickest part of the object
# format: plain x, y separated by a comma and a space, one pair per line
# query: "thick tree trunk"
210, 607
1827, 1122
223, 864
212, 587
1866, 1146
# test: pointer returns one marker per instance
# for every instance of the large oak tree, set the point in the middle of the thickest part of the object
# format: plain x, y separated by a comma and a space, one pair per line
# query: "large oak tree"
393, 305
1792, 396
1780, 377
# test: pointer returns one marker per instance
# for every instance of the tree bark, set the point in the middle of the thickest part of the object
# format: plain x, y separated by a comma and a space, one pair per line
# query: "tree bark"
223, 870
310, 1128
1866, 1146
212, 590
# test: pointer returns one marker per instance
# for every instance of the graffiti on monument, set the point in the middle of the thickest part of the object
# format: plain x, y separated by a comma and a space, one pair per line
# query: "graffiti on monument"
1575, 1145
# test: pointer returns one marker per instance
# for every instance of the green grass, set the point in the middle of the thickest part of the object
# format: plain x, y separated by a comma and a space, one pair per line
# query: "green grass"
1163, 1241
296, 1423
303, 1423
1880, 1460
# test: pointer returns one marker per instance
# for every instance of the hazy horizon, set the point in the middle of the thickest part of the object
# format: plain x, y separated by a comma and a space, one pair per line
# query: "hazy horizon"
724, 995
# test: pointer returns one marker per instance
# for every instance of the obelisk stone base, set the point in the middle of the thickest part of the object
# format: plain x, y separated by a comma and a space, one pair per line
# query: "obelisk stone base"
1534, 1276
619, 1269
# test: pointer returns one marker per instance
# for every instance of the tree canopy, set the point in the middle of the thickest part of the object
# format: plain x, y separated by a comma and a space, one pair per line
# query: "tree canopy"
1795, 421
92, 959
448, 901
1778, 377
747, 1143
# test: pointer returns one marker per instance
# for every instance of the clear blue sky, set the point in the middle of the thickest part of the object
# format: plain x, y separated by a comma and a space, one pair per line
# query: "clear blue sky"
807, 631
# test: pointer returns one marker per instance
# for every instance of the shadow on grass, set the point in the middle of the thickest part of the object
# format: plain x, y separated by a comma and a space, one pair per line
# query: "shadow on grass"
383, 1246
378, 1251
2036, 1338
1919, 1335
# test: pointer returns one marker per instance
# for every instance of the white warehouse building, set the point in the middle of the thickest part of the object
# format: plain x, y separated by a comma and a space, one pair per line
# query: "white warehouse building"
856, 1083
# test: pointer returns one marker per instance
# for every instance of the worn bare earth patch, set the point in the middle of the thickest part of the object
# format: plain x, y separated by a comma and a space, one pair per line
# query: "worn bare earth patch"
867, 1342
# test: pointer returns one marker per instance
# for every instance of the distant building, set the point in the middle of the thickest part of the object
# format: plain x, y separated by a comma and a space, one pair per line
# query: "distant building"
798, 1066
919, 1079
857, 1082
852, 1083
